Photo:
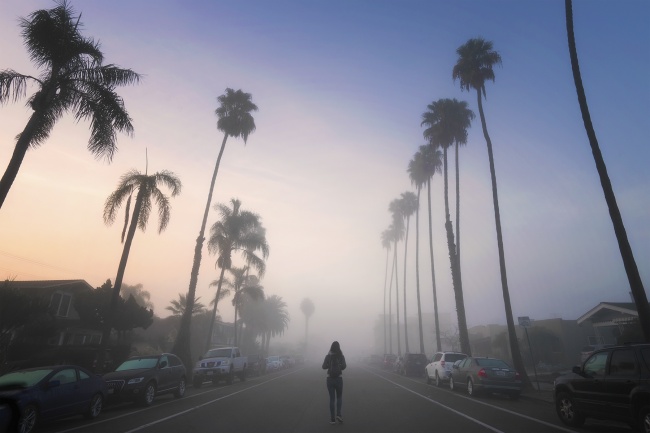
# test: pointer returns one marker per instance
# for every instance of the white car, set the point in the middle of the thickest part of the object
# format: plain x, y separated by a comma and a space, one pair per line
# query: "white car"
439, 369
273, 363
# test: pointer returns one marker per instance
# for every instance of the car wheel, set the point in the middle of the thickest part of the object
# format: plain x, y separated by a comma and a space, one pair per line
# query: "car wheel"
470, 388
28, 419
146, 399
644, 419
96, 404
452, 386
437, 379
566, 410
180, 391
197, 382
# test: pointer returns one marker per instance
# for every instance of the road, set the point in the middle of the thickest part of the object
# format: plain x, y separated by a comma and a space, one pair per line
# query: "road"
296, 400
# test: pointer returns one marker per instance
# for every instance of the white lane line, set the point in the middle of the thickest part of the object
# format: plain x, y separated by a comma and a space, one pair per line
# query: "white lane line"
479, 402
173, 401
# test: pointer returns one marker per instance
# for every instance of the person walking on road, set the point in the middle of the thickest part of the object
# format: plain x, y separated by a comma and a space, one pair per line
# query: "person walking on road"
334, 363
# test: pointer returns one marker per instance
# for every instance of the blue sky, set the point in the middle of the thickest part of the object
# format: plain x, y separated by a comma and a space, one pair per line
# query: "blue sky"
341, 86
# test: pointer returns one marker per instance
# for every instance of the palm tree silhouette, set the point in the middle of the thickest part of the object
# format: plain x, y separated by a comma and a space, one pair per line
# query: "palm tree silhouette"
307, 308
408, 205
235, 120
447, 121
385, 243
147, 190
245, 286
397, 227
474, 66
631, 269
72, 79
178, 306
276, 319
238, 230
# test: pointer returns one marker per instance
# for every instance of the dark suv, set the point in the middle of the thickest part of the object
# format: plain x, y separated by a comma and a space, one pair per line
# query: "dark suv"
612, 383
413, 364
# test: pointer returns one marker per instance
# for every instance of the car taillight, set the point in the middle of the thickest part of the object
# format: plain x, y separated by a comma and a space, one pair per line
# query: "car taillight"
481, 373
442, 363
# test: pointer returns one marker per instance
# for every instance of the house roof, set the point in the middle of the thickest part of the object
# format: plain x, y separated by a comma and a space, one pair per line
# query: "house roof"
609, 313
49, 285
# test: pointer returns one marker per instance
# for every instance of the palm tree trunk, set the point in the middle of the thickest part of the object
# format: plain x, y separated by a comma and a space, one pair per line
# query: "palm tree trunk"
182, 344
417, 270
17, 157
460, 274
208, 341
463, 333
235, 327
385, 281
399, 339
633, 276
433, 273
512, 335
115, 294
390, 308
406, 241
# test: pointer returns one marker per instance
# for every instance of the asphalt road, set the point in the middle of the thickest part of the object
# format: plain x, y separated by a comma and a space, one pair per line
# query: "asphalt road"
296, 400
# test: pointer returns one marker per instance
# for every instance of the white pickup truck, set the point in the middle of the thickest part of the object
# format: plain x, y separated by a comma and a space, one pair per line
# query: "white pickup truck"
220, 363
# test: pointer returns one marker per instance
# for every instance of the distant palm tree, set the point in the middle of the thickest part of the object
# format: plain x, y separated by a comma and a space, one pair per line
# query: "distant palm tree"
238, 230
276, 319
307, 308
631, 269
72, 79
249, 288
146, 188
447, 121
397, 234
474, 66
235, 120
385, 243
177, 306
408, 206
418, 178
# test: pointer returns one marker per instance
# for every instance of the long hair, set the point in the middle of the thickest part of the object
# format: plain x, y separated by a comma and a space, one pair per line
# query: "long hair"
336, 348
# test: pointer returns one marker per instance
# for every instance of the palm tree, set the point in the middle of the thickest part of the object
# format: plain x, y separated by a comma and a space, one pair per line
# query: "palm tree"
419, 178
248, 288
72, 79
397, 234
633, 276
147, 189
307, 308
235, 120
238, 230
276, 319
474, 66
385, 243
408, 206
177, 306
447, 121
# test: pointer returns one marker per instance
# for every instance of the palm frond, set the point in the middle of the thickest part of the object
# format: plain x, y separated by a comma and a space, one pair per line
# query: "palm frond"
13, 85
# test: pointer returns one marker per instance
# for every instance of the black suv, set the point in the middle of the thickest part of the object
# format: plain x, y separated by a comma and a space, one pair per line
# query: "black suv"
413, 364
612, 383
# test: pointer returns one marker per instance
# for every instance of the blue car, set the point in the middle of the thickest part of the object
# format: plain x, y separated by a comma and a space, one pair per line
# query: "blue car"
43, 393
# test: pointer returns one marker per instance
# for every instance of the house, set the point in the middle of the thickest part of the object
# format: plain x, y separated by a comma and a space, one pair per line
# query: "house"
608, 320
60, 296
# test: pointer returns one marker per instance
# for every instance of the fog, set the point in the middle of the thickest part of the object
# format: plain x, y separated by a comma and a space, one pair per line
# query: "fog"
341, 88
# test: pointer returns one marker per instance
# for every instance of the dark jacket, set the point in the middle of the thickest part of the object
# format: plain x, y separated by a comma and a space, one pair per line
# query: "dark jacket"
328, 360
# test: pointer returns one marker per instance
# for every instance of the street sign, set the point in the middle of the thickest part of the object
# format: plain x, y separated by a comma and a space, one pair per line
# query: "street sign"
524, 321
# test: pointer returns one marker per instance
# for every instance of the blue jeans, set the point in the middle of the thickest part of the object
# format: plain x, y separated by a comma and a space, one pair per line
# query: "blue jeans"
335, 385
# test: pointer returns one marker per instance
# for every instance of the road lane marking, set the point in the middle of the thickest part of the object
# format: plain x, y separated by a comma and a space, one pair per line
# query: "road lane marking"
475, 401
173, 401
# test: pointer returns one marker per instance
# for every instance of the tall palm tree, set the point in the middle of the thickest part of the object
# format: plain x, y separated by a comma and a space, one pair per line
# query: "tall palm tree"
418, 178
385, 243
238, 230
631, 269
307, 308
397, 234
447, 121
276, 319
146, 189
72, 79
235, 120
249, 288
177, 306
474, 66
408, 206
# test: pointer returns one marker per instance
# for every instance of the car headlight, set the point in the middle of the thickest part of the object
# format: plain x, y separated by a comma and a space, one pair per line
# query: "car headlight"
135, 380
225, 362
198, 365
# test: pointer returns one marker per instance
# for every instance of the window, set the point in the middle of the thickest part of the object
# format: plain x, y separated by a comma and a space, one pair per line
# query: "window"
595, 365
60, 304
623, 363
68, 375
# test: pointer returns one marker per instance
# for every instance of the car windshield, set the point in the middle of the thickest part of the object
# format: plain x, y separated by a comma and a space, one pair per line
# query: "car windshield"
137, 363
24, 378
489, 362
453, 357
218, 353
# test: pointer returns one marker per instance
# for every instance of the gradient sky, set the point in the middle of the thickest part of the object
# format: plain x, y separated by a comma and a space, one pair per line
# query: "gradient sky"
341, 86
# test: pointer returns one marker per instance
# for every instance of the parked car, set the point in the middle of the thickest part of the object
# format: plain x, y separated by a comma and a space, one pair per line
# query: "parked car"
220, 363
414, 364
142, 378
612, 383
273, 363
439, 369
36, 395
485, 375
389, 361
398, 364
256, 365
287, 361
